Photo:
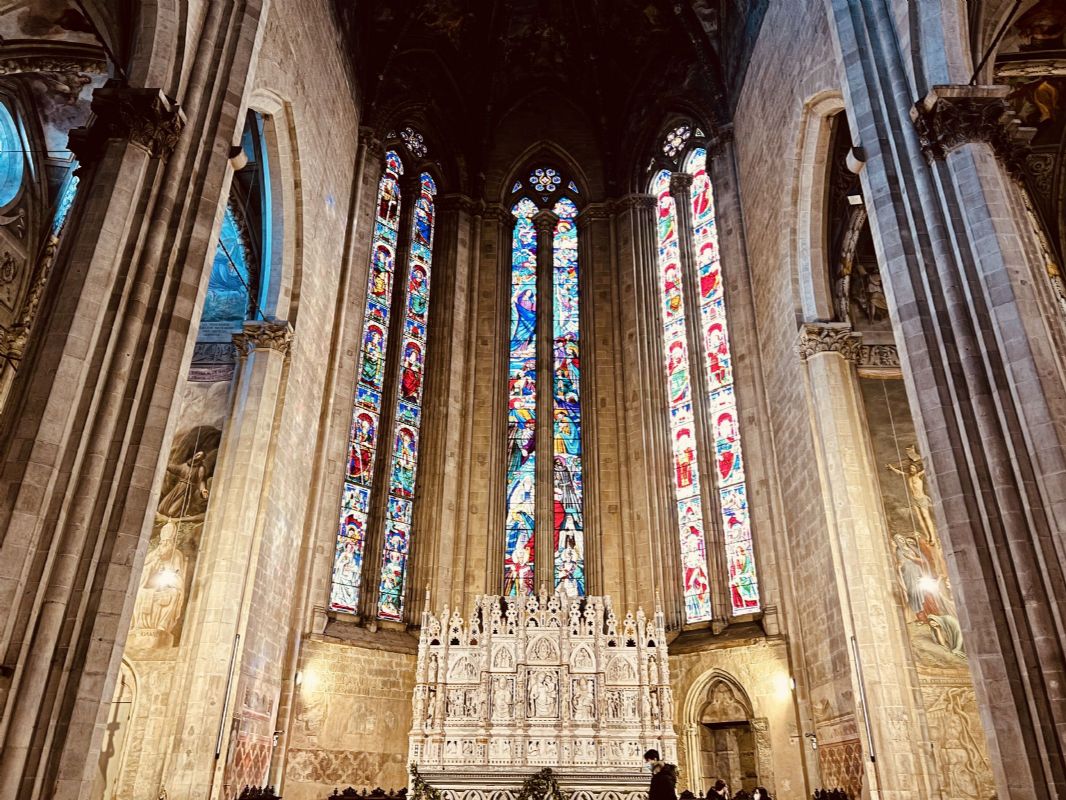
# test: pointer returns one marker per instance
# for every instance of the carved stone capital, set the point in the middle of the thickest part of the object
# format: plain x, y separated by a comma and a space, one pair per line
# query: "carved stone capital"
635, 201
545, 221
828, 337
369, 138
144, 117
593, 212
680, 184
264, 335
457, 203
951, 116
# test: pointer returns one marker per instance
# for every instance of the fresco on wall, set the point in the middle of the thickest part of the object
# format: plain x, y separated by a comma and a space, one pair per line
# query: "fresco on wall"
169, 565
924, 591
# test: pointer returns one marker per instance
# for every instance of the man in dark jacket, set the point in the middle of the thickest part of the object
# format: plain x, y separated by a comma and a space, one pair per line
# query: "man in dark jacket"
663, 777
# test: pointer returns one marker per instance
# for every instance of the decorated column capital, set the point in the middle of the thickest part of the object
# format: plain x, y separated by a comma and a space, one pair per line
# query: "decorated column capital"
146, 118
368, 137
593, 212
271, 334
951, 116
545, 221
457, 202
828, 337
632, 201
680, 184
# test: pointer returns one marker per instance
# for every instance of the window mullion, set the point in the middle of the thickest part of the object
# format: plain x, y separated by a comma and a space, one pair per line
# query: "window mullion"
409, 188
544, 550
681, 191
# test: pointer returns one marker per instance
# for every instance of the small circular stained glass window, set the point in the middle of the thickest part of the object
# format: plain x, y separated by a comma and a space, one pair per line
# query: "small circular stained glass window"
675, 140
544, 179
12, 160
414, 141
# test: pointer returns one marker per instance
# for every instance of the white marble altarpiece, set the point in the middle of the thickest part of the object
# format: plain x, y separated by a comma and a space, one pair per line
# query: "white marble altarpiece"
531, 682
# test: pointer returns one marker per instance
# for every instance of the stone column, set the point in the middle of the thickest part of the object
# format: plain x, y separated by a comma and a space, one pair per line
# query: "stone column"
544, 553
227, 627
85, 422
445, 411
959, 259
601, 443
872, 639
650, 559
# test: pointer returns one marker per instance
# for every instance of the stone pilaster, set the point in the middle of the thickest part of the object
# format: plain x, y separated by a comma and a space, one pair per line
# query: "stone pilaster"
224, 660
880, 679
91, 410
649, 561
962, 275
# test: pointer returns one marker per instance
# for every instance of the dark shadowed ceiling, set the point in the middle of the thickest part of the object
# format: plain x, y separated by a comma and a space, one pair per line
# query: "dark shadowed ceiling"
462, 65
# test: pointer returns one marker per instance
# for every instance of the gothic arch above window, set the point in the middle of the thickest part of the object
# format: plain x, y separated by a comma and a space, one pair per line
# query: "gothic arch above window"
544, 506
707, 473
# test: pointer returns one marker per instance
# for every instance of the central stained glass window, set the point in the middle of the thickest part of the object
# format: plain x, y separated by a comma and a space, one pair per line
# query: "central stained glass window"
560, 431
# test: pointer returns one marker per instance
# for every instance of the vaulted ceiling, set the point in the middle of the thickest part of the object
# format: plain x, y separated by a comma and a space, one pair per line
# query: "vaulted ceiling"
464, 64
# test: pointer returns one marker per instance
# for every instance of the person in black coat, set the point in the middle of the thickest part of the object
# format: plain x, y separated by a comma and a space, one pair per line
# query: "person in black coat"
663, 777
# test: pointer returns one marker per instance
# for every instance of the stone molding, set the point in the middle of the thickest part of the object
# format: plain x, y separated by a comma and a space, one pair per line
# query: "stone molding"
144, 117
593, 212
828, 337
951, 116
264, 335
52, 56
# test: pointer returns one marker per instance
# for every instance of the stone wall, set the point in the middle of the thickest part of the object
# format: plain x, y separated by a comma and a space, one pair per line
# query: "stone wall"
352, 717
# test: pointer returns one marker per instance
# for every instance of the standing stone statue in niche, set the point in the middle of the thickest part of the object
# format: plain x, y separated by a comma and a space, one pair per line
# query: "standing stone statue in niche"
543, 696
584, 702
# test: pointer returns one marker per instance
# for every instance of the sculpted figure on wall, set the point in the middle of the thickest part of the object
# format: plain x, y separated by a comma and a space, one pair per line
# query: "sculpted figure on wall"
161, 597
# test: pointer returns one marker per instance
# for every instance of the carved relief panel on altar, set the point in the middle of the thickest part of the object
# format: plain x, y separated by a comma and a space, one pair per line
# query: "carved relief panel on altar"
541, 681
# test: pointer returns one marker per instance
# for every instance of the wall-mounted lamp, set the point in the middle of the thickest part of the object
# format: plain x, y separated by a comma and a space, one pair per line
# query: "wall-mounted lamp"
813, 740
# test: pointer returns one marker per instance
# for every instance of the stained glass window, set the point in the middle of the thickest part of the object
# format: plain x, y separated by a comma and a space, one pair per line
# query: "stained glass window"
714, 335
12, 158
568, 526
366, 416
686, 475
717, 397
563, 429
414, 142
228, 295
521, 404
408, 417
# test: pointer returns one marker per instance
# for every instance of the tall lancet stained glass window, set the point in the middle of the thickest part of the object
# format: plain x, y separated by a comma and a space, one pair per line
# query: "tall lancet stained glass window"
718, 395
376, 431
714, 336
559, 433
408, 417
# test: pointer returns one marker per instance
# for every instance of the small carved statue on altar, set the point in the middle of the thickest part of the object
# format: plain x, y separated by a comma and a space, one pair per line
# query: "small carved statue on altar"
584, 704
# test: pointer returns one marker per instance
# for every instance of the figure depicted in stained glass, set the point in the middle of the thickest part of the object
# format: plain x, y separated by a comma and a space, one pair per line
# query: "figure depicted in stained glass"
373, 356
742, 580
389, 204
411, 380
403, 475
418, 301
518, 566
672, 291
570, 567
728, 457
717, 354
684, 459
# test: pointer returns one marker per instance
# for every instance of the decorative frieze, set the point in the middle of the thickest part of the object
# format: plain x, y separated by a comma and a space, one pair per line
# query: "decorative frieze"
951, 116
828, 337
877, 357
144, 117
264, 335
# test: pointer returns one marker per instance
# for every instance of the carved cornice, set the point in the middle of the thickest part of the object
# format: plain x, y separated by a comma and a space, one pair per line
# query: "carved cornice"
594, 212
368, 137
58, 57
951, 116
264, 335
458, 203
828, 337
878, 357
144, 117
635, 201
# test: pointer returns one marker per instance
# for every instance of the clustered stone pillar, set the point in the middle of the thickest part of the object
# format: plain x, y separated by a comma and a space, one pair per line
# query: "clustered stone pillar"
233, 616
871, 640
961, 272
90, 412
